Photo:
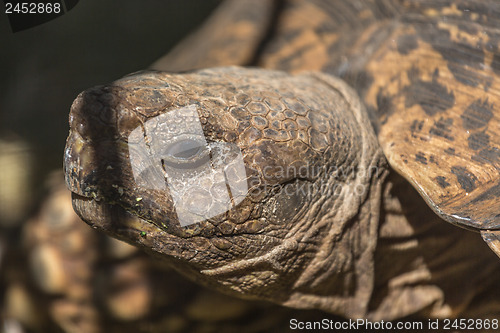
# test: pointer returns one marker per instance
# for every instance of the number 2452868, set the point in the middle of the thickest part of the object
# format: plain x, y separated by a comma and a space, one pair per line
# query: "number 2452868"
32, 8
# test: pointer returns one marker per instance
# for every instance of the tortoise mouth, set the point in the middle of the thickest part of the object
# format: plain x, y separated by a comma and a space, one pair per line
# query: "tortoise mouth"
109, 218
191, 253
117, 222
125, 223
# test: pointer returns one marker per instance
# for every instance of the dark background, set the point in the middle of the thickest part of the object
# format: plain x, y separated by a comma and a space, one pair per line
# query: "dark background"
43, 69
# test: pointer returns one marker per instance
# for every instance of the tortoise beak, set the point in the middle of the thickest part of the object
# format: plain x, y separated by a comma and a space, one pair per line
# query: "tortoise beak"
99, 157
94, 162
97, 170
92, 151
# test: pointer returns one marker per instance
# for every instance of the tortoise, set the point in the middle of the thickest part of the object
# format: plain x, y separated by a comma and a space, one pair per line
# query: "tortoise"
322, 175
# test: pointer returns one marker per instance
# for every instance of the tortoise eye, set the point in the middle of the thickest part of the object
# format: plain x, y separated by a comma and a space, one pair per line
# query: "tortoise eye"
185, 149
186, 154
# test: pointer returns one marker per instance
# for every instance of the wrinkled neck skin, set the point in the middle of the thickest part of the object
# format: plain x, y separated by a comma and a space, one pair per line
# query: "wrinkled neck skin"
326, 261
339, 276
429, 267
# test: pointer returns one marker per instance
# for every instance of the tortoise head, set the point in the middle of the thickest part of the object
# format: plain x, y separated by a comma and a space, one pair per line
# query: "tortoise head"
244, 177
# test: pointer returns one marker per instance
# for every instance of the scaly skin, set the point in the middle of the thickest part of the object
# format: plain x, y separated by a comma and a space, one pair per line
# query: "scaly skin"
285, 236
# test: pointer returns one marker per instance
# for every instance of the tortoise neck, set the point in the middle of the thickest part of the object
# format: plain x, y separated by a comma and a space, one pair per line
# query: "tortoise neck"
423, 258
339, 278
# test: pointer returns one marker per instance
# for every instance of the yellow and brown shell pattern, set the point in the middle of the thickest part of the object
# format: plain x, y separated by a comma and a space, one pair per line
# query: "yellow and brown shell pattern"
428, 72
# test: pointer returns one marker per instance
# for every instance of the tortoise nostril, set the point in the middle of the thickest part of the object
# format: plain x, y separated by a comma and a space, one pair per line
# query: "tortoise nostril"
93, 114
